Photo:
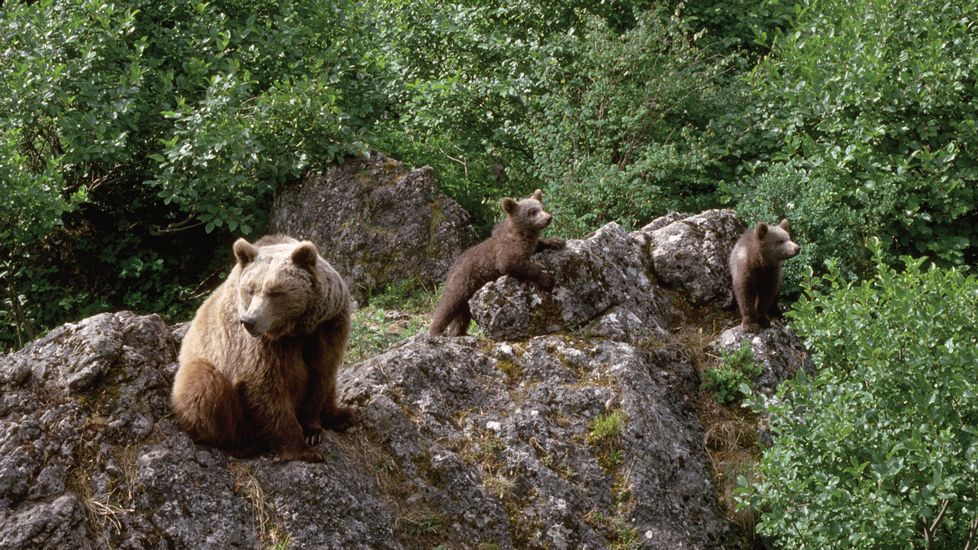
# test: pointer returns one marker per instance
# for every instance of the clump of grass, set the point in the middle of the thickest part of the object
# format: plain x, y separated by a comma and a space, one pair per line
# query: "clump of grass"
408, 295
605, 437
401, 311
270, 532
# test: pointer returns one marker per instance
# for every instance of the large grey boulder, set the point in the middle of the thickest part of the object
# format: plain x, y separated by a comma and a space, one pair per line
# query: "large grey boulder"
376, 222
689, 254
603, 288
613, 284
551, 443
557, 442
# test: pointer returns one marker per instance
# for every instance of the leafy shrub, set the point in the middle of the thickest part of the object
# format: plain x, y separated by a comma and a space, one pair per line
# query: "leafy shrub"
880, 449
872, 103
735, 374
128, 130
626, 132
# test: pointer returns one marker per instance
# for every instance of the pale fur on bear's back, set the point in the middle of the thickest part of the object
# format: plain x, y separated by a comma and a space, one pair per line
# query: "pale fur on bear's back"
258, 363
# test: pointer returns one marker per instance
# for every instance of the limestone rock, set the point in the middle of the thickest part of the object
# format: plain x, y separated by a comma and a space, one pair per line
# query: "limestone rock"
555, 442
690, 254
376, 222
602, 288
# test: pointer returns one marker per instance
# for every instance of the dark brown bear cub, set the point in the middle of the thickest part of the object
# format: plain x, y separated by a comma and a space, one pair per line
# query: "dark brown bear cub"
506, 252
755, 265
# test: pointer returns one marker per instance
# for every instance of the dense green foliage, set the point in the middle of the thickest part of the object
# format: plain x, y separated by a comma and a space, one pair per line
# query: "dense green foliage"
153, 124
880, 449
867, 111
129, 129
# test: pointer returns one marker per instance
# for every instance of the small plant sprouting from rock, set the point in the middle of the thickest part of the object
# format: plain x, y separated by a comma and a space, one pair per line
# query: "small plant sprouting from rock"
605, 437
733, 377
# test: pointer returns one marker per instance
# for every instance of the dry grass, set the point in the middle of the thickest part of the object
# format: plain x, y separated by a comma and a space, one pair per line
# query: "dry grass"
731, 443
270, 534
417, 523
729, 432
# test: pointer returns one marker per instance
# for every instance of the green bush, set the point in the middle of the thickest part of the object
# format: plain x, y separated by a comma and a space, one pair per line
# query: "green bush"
880, 448
462, 76
625, 133
873, 104
734, 376
127, 130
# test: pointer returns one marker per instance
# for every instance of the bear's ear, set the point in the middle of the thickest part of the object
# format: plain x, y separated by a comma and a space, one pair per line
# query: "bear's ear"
538, 195
305, 255
760, 230
245, 252
784, 224
509, 206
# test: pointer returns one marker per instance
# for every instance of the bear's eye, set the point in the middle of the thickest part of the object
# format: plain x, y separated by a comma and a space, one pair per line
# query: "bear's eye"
534, 211
275, 293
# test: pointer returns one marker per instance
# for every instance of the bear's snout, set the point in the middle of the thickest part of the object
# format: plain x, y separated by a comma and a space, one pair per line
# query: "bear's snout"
794, 250
250, 322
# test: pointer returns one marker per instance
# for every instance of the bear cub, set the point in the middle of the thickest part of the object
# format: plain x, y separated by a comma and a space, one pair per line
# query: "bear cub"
258, 364
755, 266
506, 252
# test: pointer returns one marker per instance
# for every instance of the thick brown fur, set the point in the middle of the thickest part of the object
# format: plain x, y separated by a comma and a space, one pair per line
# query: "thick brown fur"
506, 252
755, 266
258, 364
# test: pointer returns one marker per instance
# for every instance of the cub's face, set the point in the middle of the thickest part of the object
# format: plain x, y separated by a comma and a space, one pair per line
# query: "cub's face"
528, 213
274, 287
776, 243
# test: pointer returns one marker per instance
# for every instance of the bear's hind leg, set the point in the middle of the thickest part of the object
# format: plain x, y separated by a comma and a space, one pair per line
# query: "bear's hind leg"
208, 406
459, 325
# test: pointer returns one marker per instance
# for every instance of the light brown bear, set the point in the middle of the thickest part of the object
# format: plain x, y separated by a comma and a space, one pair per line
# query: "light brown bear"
506, 252
755, 266
258, 364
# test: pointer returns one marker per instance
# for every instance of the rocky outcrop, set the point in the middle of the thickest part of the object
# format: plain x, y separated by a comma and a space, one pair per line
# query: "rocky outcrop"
556, 442
581, 435
603, 287
611, 284
689, 254
376, 222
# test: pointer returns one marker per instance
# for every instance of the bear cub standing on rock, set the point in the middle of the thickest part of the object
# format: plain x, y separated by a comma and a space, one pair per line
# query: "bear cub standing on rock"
755, 265
506, 252
258, 364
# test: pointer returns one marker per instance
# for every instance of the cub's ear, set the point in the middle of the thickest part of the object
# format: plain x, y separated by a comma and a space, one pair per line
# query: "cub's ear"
305, 255
245, 252
509, 206
760, 230
784, 224
538, 195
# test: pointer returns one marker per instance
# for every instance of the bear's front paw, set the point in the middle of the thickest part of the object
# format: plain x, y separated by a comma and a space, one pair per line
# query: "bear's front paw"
314, 435
750, 325
553, 242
